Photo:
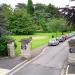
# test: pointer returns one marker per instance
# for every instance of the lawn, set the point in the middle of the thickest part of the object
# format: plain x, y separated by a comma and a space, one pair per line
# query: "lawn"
38, 40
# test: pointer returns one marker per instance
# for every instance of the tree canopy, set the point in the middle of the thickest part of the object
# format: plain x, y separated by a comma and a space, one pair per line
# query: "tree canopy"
2, 21
69, 14
21, 23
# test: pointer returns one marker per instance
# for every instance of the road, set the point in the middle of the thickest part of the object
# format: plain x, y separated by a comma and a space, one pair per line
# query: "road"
50, 62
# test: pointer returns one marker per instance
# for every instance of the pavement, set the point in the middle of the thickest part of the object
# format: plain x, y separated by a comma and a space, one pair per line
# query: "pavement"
51, 61
71, 69
6, 64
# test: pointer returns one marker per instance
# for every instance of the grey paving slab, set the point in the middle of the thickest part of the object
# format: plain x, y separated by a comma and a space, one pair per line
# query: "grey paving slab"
10, 63
71, 69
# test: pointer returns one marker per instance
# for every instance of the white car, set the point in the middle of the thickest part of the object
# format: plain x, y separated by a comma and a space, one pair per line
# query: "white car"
53, 42
71, 35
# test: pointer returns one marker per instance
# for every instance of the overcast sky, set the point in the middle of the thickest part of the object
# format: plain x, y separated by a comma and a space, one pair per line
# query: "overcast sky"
57, 3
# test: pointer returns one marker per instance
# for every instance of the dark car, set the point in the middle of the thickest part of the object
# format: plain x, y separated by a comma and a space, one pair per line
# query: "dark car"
61, 39
65, 37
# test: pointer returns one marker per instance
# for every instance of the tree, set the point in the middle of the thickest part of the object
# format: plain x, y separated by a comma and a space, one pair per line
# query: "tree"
56, 25
3, 44
52, 10
69, 14
46, 12
42, 23
7, 10
30, 8
21, 23
2, 22
39, 8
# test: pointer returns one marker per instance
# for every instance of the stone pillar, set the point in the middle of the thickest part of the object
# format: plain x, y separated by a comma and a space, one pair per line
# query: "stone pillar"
25, 48
11, 48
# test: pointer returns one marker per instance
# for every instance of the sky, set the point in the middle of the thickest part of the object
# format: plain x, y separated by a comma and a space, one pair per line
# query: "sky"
57, 3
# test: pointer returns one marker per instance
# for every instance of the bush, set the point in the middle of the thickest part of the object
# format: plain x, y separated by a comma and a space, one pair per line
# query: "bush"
56, 25
20, 23
3, 47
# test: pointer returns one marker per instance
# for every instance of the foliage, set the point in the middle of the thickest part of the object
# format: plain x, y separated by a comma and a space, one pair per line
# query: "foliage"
39, 8
69, 14
48, 11
3, 46
52, 10
17, 20
30, 8
56, 25
25, 19
42, 15
6, 13
3, 31
7, 10
2, 22
42, 23
21, 23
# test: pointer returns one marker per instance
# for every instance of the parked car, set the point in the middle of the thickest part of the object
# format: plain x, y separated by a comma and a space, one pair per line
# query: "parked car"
53, 42
61, 39
71, 35
65, 37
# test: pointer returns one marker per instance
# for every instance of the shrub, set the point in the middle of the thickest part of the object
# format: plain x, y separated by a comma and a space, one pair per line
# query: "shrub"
56, 25
3, 46
20, 23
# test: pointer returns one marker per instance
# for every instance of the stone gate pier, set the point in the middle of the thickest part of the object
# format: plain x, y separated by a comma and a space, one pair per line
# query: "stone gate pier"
25, 47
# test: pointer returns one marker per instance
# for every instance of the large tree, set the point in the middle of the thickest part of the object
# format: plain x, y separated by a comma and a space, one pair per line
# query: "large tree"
52, 10
42, 23
7, 10
40, 8
3, 44
56, 25
69, 14
2, 22
30, 8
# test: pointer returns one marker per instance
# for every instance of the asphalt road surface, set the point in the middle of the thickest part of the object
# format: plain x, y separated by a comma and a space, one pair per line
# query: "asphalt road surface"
50, 62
